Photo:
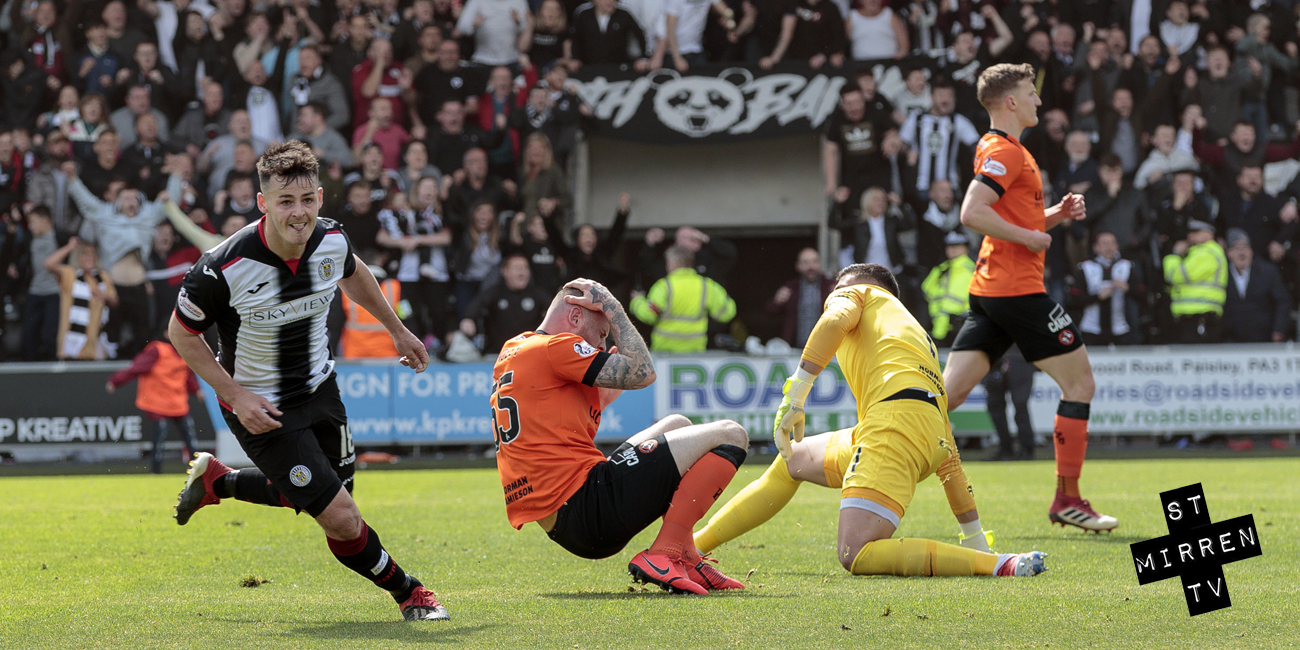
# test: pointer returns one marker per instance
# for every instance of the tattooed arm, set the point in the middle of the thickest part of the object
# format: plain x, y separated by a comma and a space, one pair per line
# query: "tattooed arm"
629, 366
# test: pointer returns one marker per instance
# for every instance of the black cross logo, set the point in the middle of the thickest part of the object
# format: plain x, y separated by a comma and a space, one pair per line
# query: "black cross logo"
1196, 549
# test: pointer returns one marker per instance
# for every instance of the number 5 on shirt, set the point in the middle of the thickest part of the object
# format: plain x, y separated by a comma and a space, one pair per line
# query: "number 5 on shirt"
504, 409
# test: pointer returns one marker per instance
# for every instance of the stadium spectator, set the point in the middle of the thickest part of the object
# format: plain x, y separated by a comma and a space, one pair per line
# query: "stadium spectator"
346, 56
84, 131
476, 255
1105, 292
97, 65
1011, 374
1197, 275
98, 172
545, 39
851, 151
592, 256
165, 90
453, 138
680, 304
46, 38
1157, 170
566, 111
257, 42
254, 95
143, 160
1121, 131
25, 89
1115, 207
869, 233
1173, 214
415, 166
541, 178
378, 77
162, 394
363, 336
496, 26
1269, 222
88, 288
938, 136
605, 33
914, 96
536, 237
407, 33
316, 83
1258, 307
713, 256
238, 198
62, 114
475, 186
1220, 93
419, 238
1079, 172
1264, 102
1243, 147
198, 55
799, 301
1177, 31
506, 309
425, 54
312, 127
48, 184
360, 217
682, 42
380, 129
122, 37
947, 289
41, 311
219, 157
941, 218
502, 98
201, 124
446, 80
138, 102
970, 56
876, 32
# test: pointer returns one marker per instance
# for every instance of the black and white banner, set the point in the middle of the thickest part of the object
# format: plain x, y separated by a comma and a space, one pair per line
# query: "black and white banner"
709, 104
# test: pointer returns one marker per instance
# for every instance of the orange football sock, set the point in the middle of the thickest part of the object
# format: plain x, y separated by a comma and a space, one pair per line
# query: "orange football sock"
1071, 442
700, 487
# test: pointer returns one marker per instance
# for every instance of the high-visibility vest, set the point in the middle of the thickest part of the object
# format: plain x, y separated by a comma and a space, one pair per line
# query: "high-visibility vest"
162, 390
947, 290
364, 336
1198, 282
679, 306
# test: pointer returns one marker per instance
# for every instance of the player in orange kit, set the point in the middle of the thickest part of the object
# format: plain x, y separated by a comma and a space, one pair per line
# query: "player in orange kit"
551, 386
1008, 302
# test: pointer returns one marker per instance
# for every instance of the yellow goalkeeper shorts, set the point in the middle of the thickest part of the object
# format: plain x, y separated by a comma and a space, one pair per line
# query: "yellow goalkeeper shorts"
898, 445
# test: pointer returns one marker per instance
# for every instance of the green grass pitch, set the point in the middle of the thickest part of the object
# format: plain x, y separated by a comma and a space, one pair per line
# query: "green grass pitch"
97, 562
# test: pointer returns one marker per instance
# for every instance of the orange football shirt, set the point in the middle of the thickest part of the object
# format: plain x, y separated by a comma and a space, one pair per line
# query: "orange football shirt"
545, 414
1003, 268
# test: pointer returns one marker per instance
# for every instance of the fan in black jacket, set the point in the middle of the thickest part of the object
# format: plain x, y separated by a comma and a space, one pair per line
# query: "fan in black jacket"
1262, 312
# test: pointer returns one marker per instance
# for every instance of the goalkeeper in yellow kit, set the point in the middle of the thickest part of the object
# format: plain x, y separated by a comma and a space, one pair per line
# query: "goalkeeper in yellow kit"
902, 437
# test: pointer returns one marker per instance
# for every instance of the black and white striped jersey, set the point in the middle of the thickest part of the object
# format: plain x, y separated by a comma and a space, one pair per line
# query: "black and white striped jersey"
937, 140
270, 314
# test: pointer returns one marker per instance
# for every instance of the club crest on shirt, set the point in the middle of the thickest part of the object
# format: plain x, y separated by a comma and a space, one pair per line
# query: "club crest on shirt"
993, 168
326, 268
188, 308
583, 349
648, 446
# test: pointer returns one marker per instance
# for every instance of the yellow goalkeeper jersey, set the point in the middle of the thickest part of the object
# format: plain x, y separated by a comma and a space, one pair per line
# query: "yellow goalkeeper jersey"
883, 350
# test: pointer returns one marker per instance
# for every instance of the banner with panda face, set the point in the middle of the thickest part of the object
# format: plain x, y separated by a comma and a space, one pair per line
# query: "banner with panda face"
709, 104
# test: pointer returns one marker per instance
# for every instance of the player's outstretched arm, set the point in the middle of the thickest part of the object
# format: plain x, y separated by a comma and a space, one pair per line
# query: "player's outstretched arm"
363, 289
977, 212
843, 311
631, 367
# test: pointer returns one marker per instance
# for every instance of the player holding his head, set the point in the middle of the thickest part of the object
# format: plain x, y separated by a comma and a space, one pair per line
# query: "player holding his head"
551, 386
1008, 303
902, 437
268, 290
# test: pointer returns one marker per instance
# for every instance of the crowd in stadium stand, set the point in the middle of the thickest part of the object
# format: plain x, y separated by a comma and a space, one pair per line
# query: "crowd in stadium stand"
446, 132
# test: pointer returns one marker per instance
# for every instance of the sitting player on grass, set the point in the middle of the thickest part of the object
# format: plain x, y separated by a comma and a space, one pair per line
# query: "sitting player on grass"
551, 386
902, 437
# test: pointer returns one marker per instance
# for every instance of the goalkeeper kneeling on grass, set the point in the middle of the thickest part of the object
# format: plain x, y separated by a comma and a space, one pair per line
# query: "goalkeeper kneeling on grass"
902, 437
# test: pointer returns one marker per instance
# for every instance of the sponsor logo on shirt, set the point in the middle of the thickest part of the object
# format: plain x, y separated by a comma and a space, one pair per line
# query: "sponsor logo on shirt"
188, 308
993, 168
583, 349
288, 312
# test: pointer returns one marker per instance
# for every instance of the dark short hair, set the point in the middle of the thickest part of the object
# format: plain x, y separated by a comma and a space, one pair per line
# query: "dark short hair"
359, 185
290, 160
874, 273
1111, 159
238, 177
940, 81
321, 109
849, 89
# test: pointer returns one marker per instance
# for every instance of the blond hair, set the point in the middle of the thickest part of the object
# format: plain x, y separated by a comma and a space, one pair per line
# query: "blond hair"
1000, 80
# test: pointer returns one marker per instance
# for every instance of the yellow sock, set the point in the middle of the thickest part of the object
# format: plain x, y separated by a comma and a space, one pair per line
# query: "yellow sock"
961, 496
911, 556
750, 509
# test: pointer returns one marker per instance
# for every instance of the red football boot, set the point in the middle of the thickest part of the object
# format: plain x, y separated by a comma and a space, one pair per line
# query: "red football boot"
667, 572
704, 573
196, 493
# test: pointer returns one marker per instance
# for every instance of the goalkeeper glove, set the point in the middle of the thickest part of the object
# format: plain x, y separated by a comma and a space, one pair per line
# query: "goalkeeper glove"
790, 416
982, 542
